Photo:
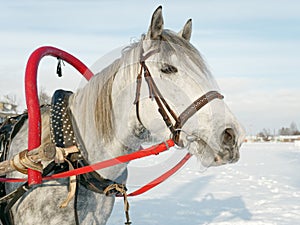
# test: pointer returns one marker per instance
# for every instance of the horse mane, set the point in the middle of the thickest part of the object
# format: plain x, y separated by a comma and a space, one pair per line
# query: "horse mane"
104, 116
98, 94
95, 103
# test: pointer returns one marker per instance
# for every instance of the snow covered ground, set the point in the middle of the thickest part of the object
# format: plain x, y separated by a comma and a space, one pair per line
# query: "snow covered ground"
263, 188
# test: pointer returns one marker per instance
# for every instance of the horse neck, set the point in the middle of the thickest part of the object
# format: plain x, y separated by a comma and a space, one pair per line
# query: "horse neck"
93, 116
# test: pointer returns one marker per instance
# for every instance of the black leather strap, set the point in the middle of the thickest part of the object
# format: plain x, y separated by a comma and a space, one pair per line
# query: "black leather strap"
61, 124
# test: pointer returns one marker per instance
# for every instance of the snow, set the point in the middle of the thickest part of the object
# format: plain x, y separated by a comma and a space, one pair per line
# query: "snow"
263, 188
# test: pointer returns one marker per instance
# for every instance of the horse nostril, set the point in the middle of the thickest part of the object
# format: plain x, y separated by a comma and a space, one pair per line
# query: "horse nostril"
228, 137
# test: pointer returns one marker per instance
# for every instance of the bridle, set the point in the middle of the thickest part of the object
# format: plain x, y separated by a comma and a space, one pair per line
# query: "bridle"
163, 107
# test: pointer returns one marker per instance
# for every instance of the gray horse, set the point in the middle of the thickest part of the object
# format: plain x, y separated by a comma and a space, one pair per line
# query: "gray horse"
108, 125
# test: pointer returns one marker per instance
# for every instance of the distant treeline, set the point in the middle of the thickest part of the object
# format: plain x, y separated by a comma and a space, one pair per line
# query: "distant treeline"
292, 130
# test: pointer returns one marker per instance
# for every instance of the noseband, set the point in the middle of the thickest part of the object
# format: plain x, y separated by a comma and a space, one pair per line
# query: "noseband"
163, 107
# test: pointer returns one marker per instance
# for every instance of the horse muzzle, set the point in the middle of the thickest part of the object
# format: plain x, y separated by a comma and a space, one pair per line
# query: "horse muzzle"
216, 150
229, 146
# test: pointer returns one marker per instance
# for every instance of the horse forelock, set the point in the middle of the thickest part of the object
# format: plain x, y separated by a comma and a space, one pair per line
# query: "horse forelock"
170, 43
184, 50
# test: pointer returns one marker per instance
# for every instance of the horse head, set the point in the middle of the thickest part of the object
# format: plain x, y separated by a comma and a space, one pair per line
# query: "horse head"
169, 62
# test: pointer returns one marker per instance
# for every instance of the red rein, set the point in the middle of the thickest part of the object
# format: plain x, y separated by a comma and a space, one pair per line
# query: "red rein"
153, 150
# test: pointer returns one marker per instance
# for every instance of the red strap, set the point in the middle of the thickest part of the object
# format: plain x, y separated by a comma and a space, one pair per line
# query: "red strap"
153, 150
12, 180
161, 178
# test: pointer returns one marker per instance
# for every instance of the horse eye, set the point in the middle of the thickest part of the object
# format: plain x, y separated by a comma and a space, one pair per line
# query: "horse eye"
168, 69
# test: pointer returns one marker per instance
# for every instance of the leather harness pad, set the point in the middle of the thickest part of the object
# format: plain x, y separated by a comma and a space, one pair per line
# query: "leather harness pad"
60, 120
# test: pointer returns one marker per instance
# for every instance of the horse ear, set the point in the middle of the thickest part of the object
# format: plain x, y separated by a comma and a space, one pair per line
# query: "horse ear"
186, 32
157, 24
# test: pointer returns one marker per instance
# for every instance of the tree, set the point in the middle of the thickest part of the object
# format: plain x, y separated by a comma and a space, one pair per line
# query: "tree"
264, 134
9, 103
44, 98
8, 107
292, 130
284, 131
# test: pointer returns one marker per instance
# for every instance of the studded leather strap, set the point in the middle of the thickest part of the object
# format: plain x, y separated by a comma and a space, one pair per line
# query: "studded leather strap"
61, 125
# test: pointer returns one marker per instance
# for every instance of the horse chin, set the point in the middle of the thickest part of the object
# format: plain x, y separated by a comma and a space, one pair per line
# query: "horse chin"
212, 156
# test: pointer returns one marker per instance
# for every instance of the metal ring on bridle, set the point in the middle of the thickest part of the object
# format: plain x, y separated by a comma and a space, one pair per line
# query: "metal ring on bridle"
189, 138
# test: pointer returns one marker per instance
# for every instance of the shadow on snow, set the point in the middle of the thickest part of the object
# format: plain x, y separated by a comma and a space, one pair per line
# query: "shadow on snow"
180, 207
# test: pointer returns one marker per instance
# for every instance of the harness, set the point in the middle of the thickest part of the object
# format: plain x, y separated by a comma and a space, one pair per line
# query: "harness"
65, 134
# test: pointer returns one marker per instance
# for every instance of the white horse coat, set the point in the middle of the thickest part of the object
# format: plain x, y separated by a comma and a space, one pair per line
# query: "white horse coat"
107, 122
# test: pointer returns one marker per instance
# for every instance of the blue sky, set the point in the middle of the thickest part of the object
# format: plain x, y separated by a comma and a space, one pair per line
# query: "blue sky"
252, 47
